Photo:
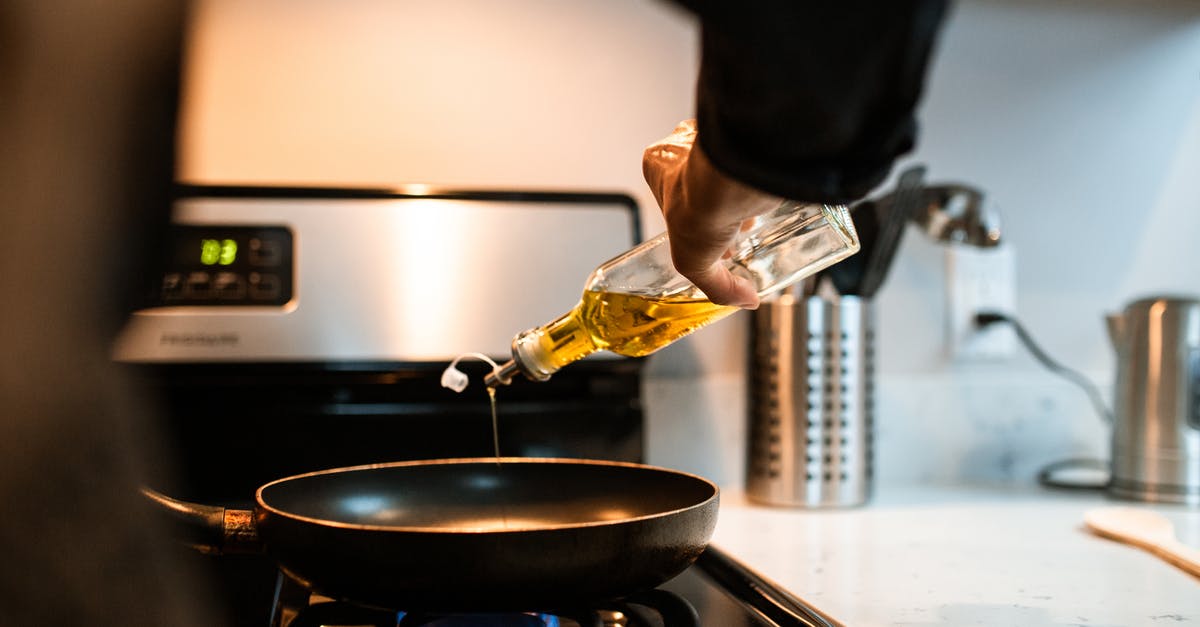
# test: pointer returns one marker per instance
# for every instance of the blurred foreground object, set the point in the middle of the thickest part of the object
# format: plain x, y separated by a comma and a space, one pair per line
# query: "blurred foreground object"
87, 100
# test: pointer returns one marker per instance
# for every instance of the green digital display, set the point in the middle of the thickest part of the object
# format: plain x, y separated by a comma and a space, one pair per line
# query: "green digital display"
226, 265
215, 252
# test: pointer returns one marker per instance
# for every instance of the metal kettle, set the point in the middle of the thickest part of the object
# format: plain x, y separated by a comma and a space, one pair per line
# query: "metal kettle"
1156, 417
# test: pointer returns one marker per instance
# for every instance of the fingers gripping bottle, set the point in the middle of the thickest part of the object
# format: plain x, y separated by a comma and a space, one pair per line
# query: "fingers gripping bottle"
637, 303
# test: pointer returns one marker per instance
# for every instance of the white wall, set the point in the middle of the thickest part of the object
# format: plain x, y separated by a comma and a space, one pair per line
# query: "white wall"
1082, 121
529, 93
1080, 118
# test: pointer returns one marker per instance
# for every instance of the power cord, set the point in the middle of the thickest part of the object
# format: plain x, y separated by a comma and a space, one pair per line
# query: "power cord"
986, 318
1049, 475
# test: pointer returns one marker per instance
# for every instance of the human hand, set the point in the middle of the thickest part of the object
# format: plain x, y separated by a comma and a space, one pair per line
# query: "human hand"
704, 210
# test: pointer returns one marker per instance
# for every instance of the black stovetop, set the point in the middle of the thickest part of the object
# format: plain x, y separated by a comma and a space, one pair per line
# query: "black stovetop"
716, 591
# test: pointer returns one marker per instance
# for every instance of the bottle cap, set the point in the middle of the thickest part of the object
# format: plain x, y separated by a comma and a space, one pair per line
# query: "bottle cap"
454, 379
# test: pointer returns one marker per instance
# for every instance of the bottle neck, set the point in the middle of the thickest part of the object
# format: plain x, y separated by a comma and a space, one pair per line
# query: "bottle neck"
542, 351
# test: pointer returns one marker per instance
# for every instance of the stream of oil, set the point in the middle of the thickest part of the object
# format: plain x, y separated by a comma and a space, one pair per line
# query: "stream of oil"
496, 447
495, 425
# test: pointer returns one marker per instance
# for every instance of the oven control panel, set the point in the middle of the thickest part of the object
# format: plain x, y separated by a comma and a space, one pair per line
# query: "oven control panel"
225, 266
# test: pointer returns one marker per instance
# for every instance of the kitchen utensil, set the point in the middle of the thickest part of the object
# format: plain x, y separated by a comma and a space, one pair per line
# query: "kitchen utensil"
811, 412
847, 275
956, 213
1156, 412
894, 211
466, 534
1146, 530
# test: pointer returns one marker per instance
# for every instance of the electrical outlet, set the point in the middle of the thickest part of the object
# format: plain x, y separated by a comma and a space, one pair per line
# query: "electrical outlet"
977, 280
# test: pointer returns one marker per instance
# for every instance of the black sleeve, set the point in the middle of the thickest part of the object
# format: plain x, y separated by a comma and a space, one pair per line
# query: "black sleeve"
811, 100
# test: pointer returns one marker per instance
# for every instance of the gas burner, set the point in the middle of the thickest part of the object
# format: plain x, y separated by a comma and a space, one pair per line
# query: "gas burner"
723, 590
296, 607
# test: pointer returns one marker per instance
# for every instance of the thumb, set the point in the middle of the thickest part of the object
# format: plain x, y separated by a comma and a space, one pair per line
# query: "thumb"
724, 287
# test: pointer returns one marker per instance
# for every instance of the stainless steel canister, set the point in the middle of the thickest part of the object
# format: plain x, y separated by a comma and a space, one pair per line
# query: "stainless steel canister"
811, 402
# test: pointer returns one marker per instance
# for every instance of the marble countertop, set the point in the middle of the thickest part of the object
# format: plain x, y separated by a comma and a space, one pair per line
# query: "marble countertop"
963, 556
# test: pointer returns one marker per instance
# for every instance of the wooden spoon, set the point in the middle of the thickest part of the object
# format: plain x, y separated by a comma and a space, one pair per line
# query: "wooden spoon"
1146, 530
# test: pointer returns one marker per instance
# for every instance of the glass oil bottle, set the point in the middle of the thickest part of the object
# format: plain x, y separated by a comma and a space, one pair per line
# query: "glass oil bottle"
637, 303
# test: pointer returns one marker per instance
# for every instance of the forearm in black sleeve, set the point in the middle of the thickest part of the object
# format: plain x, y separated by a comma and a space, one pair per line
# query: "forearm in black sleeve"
811, 100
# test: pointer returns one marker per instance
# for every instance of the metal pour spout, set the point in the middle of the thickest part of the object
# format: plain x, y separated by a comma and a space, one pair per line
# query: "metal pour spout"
528, 358
502, 375
1116, 330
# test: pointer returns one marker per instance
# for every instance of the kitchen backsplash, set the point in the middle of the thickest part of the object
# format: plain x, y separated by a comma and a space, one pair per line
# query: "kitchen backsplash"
1079, 118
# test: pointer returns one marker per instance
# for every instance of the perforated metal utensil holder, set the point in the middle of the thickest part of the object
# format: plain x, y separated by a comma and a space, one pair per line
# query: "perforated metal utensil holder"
811, 402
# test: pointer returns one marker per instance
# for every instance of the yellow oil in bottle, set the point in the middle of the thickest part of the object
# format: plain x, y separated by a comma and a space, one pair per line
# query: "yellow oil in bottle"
627, 324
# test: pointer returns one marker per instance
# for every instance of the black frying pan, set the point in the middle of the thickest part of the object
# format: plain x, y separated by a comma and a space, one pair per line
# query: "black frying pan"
468, 534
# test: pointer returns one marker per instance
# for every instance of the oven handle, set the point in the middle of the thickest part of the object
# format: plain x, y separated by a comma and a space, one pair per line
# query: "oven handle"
210, 529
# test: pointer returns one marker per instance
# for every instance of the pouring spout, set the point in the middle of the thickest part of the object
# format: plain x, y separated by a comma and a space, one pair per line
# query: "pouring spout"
1116, 330
503, 375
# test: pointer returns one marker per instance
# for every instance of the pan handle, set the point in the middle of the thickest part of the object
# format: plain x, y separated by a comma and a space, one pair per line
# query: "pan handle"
210, 529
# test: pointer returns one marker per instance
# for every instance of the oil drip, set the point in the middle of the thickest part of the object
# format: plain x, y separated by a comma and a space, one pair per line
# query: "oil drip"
457, 380
491, 390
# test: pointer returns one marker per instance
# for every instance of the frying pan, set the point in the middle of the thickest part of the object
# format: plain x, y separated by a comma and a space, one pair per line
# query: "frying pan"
470, 534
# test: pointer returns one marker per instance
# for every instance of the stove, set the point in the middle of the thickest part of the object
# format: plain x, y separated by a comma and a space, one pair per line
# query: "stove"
653, 607
290, 330
716, 591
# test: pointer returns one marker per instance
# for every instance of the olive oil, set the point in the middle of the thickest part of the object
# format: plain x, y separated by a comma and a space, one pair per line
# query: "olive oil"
491, 389
627, 324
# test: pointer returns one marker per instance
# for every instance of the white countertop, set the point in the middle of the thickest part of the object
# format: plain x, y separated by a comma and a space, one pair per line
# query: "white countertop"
959, 556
